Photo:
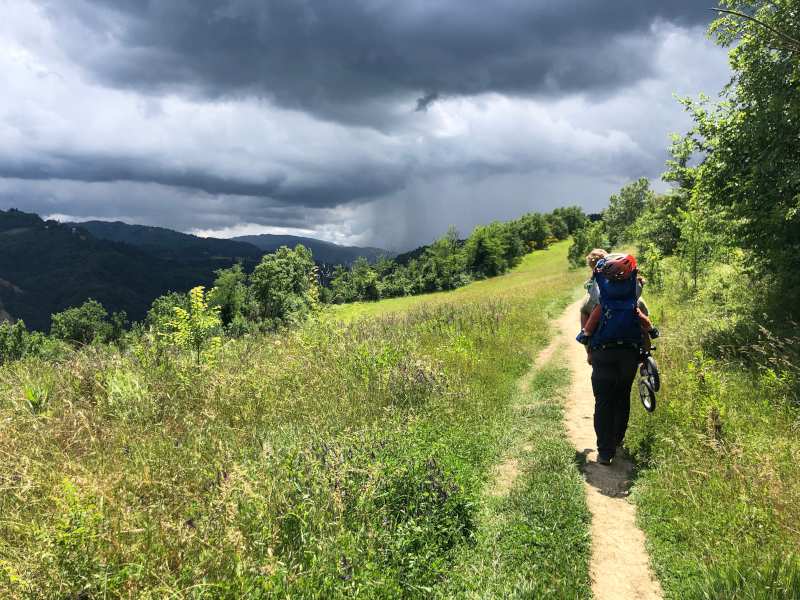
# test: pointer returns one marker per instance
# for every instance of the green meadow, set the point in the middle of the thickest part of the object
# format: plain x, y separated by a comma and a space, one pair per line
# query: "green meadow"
353, 455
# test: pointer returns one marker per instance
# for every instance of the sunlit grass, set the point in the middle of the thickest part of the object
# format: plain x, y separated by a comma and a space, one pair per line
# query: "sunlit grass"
546, 267
719, 496
346, 457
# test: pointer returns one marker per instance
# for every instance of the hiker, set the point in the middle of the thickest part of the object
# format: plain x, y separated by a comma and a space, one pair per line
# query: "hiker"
615, 347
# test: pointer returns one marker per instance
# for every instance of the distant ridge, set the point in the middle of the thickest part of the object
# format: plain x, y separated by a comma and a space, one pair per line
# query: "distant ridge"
167, 243
322, 251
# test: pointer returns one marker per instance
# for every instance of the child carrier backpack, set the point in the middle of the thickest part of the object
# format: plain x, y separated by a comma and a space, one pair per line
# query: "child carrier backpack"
619, 321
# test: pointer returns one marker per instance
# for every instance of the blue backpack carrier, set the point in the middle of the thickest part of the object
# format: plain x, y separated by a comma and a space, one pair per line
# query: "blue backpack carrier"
619, 323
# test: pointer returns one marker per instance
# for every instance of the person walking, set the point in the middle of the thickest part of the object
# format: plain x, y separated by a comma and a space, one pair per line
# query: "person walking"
614, 367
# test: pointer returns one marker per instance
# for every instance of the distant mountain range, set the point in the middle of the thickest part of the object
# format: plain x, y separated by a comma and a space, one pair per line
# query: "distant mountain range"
167, 243
47, 266
322, 251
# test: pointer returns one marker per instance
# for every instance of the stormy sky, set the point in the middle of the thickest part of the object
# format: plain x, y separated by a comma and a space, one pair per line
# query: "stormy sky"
366, 122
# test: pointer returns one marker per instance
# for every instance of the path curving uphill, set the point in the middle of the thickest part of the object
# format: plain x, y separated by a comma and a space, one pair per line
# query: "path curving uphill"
620, 569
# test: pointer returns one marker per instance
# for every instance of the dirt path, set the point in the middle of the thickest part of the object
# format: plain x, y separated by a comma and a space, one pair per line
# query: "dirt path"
620, 567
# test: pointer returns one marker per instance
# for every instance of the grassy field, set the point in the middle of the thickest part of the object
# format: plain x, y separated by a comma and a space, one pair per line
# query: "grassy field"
350, 457
719, 492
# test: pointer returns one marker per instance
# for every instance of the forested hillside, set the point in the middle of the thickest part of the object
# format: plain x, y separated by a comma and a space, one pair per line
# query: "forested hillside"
167, 243
46, 268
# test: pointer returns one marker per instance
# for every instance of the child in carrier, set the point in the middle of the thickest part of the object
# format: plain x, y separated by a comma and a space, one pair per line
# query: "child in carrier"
616, 270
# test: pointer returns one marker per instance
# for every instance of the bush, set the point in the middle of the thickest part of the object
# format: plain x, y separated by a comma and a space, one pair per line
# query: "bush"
584, 241
16, 343
281, 284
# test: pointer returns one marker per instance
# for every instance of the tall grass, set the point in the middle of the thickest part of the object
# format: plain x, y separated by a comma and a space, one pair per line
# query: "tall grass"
343, 458
719, 491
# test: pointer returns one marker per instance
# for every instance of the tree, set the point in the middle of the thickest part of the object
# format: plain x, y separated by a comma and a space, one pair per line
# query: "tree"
533, 230
16, 343
573, 216
660, 223
584, 241
192, 328
749, 140
485, 253
280, 283
558, 227
162, 311
80, 325
229, 292
623, 210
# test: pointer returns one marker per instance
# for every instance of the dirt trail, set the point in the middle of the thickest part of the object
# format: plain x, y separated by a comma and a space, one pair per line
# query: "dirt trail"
620, 567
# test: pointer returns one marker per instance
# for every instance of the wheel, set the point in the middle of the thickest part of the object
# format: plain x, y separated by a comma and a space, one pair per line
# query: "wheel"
647, 394
650, 371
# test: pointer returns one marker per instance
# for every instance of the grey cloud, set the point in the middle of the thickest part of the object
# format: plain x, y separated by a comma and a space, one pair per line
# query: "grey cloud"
359, 184
335, 57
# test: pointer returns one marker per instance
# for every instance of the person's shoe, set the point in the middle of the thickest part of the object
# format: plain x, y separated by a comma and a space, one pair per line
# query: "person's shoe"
604, 461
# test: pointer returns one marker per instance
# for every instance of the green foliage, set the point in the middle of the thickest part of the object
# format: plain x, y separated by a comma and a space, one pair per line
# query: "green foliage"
81, 325
573, 216
162, 311
37, 396
585, 240
229, 292
280, 284
660, 223
749, 140
193, 327
558, 227
720, 523
624, 209
535, 229
486, 252
16, 343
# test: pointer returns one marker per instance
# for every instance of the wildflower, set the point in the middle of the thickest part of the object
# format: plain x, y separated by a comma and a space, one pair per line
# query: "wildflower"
345, 568
177, 443
190, 524
127, 450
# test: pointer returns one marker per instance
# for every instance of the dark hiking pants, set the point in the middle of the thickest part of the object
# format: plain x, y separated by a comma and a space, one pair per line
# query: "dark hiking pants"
613, 372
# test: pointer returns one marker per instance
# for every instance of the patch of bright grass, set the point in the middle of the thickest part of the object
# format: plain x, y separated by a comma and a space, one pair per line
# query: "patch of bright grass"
534, 542
343, 458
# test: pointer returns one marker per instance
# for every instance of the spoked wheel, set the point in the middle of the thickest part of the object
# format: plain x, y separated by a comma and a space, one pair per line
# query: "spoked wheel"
647, 394
649, 371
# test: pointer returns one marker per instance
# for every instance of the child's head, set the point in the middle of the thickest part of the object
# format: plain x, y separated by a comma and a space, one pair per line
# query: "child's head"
618, 269
594, 256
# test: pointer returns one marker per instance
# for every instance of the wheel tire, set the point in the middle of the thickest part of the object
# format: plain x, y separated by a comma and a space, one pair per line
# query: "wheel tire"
651, 373
647, 394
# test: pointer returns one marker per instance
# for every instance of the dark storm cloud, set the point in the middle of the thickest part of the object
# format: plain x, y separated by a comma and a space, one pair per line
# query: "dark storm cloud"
360, 184
335, 57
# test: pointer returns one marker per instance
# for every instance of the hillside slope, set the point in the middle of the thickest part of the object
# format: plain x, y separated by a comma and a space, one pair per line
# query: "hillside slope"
46, 267
167, 243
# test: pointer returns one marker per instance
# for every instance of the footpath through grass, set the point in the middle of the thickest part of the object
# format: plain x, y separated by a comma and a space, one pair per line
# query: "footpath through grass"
349, 457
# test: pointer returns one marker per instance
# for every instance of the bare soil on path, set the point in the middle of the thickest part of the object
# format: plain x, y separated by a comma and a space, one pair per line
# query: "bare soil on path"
620, 568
